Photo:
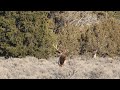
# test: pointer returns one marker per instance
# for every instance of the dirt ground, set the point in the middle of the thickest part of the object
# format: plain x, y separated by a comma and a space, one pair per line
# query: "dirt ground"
74, 68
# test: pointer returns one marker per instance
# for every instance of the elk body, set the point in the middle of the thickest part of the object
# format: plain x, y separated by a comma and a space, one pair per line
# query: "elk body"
62, 55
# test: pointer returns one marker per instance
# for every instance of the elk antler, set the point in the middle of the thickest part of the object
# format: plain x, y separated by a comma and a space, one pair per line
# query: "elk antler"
55, 46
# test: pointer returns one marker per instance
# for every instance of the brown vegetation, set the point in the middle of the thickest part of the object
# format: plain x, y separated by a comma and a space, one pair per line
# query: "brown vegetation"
77, 68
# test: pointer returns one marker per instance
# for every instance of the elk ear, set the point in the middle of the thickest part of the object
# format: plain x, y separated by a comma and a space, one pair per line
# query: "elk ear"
66, 52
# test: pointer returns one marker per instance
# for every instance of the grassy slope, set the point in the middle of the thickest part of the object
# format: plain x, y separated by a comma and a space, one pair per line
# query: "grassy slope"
77, 68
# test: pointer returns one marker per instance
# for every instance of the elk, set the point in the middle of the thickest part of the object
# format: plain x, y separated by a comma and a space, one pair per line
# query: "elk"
94, 53
62, 55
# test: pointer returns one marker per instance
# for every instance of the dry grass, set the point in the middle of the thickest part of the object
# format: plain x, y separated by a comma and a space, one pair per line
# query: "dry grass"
74, 68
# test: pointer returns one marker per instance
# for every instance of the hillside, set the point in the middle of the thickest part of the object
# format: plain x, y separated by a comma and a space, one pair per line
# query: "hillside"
77, 68
28, 40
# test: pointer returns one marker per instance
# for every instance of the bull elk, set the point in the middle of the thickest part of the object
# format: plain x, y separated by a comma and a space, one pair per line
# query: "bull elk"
62, 55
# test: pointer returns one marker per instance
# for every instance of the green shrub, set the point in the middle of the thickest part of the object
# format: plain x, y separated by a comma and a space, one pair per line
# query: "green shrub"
32, 33
103, 37
26, 33
68, 39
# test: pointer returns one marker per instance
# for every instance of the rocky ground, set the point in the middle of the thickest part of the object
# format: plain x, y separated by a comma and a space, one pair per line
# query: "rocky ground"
74, 68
